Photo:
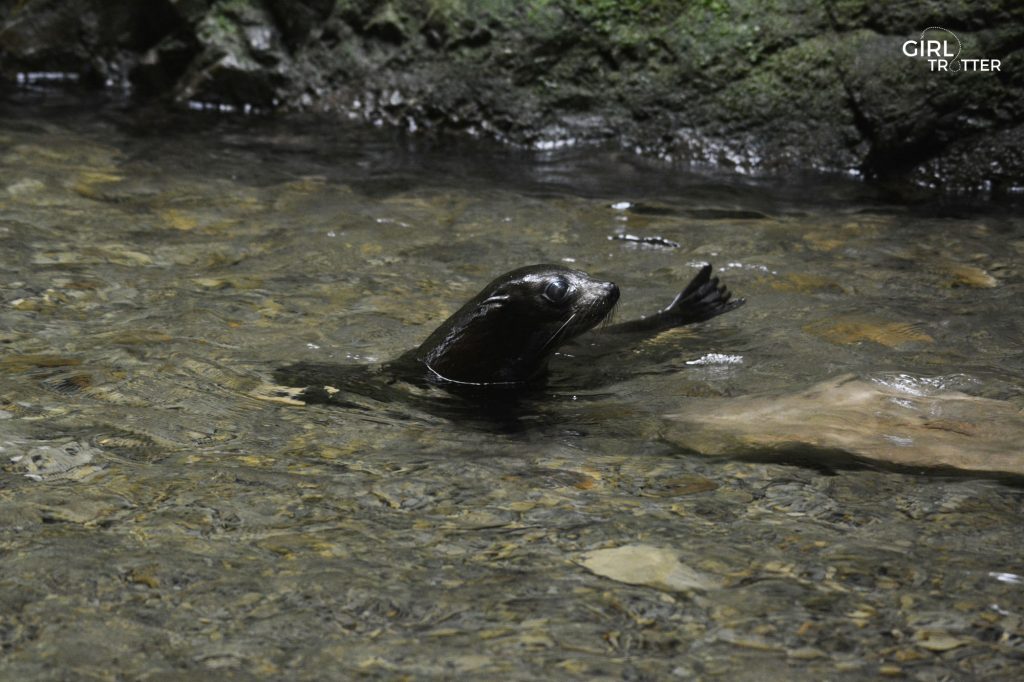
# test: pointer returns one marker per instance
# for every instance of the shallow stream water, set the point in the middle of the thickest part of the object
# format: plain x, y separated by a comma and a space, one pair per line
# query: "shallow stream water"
164, 514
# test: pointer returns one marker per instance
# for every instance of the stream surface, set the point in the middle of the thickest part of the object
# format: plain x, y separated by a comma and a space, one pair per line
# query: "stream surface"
164, 514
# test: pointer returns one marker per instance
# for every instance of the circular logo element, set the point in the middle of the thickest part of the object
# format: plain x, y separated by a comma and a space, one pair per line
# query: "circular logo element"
959, 46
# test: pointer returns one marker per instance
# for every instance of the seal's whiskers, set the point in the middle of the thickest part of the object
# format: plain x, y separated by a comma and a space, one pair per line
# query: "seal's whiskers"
609, 317
558, 332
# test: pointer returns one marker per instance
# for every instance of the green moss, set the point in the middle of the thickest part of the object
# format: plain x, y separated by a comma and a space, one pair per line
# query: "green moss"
220, 26
216, 28
787, 90
222, 6
221, 20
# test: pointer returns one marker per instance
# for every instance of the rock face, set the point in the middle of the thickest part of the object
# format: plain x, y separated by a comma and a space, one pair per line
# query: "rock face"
762, 85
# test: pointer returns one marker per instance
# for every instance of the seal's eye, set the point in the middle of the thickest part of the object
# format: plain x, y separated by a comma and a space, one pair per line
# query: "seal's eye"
557, 290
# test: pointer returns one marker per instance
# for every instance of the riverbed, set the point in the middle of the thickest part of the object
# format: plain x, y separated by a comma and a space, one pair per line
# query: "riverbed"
166, 513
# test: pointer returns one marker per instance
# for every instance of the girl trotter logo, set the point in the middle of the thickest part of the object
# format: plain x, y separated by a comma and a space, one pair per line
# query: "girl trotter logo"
937, 49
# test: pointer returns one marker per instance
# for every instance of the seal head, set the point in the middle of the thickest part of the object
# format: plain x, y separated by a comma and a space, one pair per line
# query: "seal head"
508, 332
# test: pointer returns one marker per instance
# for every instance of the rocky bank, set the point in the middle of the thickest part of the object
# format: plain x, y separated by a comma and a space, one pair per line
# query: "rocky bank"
757, 86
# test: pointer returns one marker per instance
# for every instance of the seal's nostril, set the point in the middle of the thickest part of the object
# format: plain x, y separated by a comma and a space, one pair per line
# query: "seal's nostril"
613, 291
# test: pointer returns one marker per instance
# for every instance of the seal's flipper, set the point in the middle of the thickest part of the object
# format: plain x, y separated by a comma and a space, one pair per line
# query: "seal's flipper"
703, 298
699, 280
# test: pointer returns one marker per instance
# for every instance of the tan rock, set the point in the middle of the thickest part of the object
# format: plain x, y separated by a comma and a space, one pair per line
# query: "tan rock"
889, 422
655, 567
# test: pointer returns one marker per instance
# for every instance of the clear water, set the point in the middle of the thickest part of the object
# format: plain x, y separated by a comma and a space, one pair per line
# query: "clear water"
160, 517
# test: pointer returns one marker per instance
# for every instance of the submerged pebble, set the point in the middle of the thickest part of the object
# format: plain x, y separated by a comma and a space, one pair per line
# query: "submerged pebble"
70, 460
655, 567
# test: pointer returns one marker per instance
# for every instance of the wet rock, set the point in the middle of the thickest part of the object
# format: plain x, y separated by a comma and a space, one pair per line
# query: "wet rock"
889, 421
961, 275
655, 567
159, 68
678, 486
938, 640
190, 10
25, 187
69, 460
242, 59
299, 19
849, 330
24, 363
387, 25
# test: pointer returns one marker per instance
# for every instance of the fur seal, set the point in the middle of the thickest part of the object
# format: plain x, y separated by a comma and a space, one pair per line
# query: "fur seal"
505, 336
